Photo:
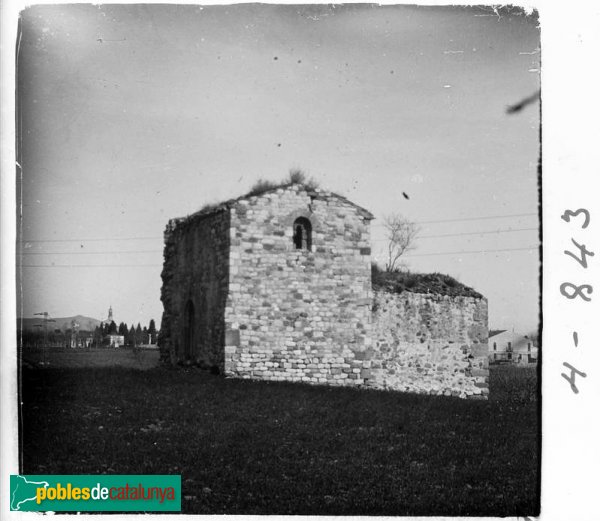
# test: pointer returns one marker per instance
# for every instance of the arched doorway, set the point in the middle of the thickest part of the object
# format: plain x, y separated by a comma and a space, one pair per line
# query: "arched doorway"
188, 331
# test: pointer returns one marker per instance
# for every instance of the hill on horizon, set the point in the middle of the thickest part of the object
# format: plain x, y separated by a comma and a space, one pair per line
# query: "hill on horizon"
62, 323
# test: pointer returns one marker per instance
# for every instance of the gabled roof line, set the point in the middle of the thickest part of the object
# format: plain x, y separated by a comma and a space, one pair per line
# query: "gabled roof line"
225, 205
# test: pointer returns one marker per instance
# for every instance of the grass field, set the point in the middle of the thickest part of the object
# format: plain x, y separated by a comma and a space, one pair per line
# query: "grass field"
105, 357
246, 447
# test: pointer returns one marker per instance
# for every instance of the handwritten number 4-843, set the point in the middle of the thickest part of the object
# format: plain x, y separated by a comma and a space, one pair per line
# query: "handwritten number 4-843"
572, 291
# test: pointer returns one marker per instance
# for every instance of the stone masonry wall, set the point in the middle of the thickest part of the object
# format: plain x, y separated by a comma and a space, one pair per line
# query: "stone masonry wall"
293, 314
429, 343
194, 291
239, 296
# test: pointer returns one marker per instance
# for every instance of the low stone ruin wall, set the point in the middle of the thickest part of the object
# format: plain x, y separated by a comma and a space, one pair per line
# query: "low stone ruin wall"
429, 343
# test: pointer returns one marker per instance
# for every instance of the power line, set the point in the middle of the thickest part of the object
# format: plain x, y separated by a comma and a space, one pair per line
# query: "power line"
93, 239
506, 230
486, 217
463, 252
471, 251
90, 265
480, 218
116, 252
87, 252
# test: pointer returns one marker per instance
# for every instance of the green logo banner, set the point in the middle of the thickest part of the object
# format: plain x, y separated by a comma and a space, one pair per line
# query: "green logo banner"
95, 493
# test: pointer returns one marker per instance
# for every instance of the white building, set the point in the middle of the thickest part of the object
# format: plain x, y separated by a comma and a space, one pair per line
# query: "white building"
509, 347
115, 340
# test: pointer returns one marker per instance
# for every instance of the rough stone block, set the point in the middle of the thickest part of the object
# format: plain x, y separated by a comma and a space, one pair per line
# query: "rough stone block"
232, 337
479, 350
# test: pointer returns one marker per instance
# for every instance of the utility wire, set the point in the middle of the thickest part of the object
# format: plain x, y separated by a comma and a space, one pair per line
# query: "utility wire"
160, 237
91, 265
471, 251
158, 265
88, 252
472, 218
506, 230
460, 234
487, 232
93, 240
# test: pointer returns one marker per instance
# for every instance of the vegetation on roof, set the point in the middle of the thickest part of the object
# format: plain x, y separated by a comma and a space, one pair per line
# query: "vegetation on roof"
437, 283
298, 176
295, 176
209, 207
264, 185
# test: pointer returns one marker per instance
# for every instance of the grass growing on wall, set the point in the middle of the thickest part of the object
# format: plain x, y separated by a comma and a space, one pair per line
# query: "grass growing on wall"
295, 176
245, 447
404, 280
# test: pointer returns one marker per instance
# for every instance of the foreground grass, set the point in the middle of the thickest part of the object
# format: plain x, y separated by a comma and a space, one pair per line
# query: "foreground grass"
246, 447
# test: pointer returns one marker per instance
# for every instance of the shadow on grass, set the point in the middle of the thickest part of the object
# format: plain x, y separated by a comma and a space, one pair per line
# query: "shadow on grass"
248, 447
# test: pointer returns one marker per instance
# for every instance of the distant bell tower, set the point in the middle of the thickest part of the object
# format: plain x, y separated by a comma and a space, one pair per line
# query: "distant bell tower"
110, 315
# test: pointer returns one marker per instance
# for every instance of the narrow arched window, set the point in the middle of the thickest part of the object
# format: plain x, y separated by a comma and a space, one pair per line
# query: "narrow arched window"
302, 234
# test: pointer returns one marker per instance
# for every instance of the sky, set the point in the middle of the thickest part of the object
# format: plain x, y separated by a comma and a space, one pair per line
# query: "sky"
135, 114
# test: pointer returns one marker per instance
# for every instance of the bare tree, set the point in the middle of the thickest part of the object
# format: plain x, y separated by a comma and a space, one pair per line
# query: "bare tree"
401, 235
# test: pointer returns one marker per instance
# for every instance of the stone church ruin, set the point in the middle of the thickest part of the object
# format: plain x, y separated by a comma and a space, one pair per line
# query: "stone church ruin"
278, 286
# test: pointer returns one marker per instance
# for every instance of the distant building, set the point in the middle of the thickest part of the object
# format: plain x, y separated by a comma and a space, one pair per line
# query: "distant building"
112, 339
115, 340
77, 337
110, 316
80, 339
508, 347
